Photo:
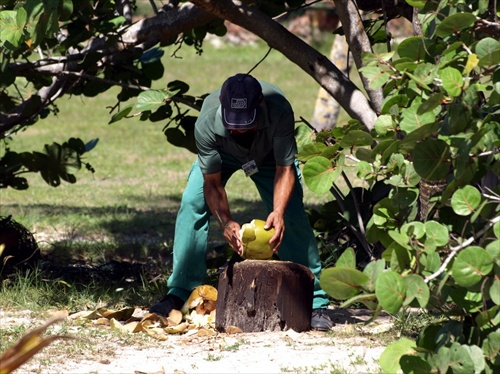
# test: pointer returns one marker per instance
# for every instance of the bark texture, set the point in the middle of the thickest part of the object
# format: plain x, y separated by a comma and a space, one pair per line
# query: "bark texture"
259, 296
358, 42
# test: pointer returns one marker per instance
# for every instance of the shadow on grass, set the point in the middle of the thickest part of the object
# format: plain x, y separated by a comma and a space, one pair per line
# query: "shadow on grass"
96, 251
122, 247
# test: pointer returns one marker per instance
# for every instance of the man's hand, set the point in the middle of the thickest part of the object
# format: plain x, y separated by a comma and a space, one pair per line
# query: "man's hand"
232, 235
284, 181
277, 221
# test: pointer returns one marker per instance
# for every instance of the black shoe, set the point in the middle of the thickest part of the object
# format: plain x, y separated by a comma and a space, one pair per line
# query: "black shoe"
166, 304
320, 320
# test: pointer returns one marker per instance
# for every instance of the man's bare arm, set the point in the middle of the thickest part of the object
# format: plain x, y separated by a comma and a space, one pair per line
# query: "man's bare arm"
284, 182
216, 198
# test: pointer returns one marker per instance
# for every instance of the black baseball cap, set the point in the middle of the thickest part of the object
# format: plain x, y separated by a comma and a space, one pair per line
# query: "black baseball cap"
240, 99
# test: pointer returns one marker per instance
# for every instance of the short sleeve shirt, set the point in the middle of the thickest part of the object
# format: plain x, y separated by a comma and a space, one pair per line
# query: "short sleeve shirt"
274, 140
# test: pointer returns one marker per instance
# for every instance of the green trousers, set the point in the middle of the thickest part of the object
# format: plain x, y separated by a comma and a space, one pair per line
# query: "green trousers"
192, 225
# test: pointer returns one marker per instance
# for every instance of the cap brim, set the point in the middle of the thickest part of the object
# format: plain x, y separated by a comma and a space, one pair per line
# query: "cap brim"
241, 120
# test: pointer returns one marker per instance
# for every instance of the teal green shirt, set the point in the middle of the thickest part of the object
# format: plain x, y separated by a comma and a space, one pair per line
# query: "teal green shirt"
274, 142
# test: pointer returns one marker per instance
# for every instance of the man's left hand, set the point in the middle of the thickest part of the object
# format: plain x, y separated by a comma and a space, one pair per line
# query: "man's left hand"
277, 221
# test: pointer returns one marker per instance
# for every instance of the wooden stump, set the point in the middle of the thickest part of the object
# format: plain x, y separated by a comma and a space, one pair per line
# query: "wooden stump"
259, 295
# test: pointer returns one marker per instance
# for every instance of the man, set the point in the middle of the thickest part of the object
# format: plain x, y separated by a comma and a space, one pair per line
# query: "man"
249, 125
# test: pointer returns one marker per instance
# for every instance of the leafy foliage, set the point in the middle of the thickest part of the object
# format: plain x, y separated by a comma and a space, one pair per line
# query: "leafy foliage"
437, 144
421, 230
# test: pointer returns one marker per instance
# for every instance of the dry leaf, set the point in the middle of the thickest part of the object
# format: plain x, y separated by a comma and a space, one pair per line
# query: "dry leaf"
120, 315
93, 314
181, 328
151, 317
233, 330
206, 332
174, 317
205, 292
29, 345
157, 333
102, 321
134, 327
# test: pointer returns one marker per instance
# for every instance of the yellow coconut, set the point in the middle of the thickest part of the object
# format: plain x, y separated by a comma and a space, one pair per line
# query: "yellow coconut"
255, 240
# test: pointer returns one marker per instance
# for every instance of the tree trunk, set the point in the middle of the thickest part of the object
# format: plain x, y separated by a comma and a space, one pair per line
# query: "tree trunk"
327, 109
257, 295
359, 42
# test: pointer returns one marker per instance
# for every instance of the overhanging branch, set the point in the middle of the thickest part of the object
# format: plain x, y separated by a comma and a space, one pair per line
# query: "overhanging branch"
299, 52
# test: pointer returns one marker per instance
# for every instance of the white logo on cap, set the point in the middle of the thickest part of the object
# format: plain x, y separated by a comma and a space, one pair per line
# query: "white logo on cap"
238, 103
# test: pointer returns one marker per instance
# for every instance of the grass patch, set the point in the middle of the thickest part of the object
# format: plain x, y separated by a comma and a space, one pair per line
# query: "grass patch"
139, 178
126, 210
43, 288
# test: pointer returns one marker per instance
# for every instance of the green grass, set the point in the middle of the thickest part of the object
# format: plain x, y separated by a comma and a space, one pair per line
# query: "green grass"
126, 210
139, 178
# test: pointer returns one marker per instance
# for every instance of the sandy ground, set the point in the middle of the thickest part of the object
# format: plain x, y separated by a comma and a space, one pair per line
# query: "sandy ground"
350, 347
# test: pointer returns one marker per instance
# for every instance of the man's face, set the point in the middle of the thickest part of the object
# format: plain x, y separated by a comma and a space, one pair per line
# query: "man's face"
241, 132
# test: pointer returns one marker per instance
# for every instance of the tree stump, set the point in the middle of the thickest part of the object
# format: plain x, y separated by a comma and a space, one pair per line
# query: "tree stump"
257, 295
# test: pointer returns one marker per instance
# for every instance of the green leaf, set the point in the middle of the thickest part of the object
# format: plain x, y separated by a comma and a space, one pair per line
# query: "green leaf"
120, 115
319, 174
489, 318
412, 120
417, 3
465, 200
471, 265
389, 360
487, 46
342, 283
11, 26
493, 248
491, 348
414, 365
391, 291
65, 9
364, 170
453, 81
454, 24
311, 150
376, 76
356, 138
414, 230
415, 48
432, 159
416, 289
431, 103
490, 59
369, 300
400, 257
460, 360
373, 270
384, 124
436, 234
400, 101
477, 357
347, 259
496, 229
151, 100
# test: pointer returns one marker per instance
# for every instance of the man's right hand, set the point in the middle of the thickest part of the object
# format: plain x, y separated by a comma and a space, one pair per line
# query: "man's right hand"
232, 235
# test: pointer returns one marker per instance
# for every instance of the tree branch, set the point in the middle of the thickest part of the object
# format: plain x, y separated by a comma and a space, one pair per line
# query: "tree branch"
455, 250
135, 40
358, 42
299, 52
